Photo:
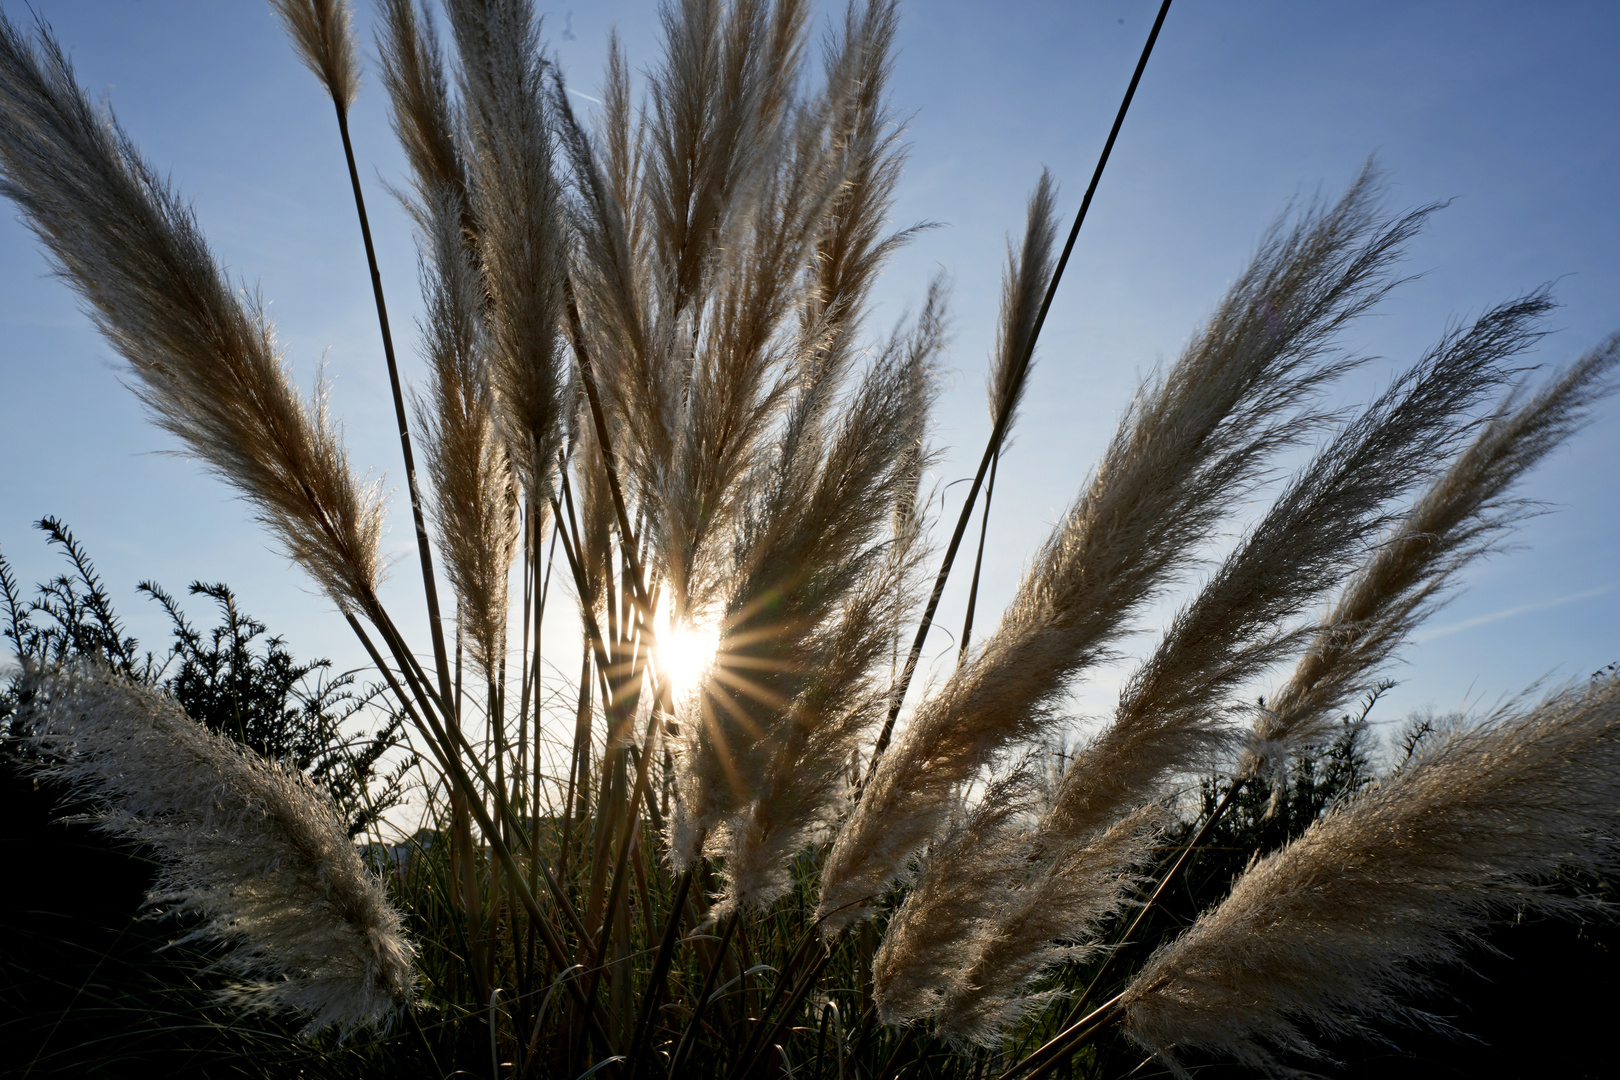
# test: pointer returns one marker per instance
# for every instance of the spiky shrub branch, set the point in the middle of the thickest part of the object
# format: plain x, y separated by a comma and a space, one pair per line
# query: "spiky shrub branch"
231, 678
646, 337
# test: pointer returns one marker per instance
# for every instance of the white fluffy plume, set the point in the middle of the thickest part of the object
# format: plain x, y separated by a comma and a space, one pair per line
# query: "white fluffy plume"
1340, 926
250, 851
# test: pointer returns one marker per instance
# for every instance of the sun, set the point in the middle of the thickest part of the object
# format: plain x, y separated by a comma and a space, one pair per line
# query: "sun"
684, 656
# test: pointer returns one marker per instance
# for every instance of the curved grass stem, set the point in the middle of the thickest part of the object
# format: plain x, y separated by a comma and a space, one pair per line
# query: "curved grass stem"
430, 590
998, 433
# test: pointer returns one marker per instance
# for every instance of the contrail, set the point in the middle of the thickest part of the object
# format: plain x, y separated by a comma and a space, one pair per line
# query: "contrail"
1508, 613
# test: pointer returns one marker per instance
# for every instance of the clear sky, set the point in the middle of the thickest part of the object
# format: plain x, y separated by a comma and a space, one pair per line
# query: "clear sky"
1509, 109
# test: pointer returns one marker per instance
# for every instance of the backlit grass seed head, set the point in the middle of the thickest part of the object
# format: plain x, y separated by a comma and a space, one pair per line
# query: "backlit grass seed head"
1029, 271
474, 498
202, 359
1053, 919
839, 703
422, 113
1336, 930
861, 133
1462, 516
250, 852
1192, 443
1175, 715
738, 184
322, 33
522, 244
963, 881
808, 622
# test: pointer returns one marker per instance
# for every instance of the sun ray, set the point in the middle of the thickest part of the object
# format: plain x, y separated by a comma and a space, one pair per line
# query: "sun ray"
685, 654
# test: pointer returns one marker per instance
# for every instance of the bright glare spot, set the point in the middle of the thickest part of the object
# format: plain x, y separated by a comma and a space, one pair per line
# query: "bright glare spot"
684, 655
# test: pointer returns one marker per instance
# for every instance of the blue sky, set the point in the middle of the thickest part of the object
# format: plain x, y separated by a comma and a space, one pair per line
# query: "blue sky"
1505, 108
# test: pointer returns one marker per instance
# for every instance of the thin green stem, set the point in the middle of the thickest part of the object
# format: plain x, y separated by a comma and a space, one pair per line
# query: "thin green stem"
791, 1009
457, 775
654, 990
454, 744
684, 1047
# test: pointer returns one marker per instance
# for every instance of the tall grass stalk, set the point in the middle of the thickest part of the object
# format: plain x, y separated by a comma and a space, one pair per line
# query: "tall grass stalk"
711, 847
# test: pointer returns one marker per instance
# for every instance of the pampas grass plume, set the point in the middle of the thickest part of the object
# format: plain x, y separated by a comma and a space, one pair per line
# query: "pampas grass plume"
1190, 445
475, 498
419, 93
1174, 716
248, 848
515, 199
1023, 286
1459, 518
321, 32
1334, 930
203, 361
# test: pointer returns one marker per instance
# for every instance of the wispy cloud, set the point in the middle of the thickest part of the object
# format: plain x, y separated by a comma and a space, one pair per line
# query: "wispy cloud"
1508, 613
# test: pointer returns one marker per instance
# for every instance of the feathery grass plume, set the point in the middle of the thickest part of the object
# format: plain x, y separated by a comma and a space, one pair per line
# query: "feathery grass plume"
422, 114
1052, 919
813, 545
608, 276
851, 134
609, 282
729, 215
1023, 286
1175, 713
608, 267
1171, 716
717, 103
852, 564
1333, 930
522, 241
474, 499
596, 513
798, 751
623, 142
972, 868
696, 231
204, 362
1459, 518
983, 919
1023, 289
247, 847
321, 31
821, 734
633, 357
1191, 444
742, 369
863, 134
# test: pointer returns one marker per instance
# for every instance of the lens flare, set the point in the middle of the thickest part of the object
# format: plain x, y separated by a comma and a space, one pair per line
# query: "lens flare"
685, 653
